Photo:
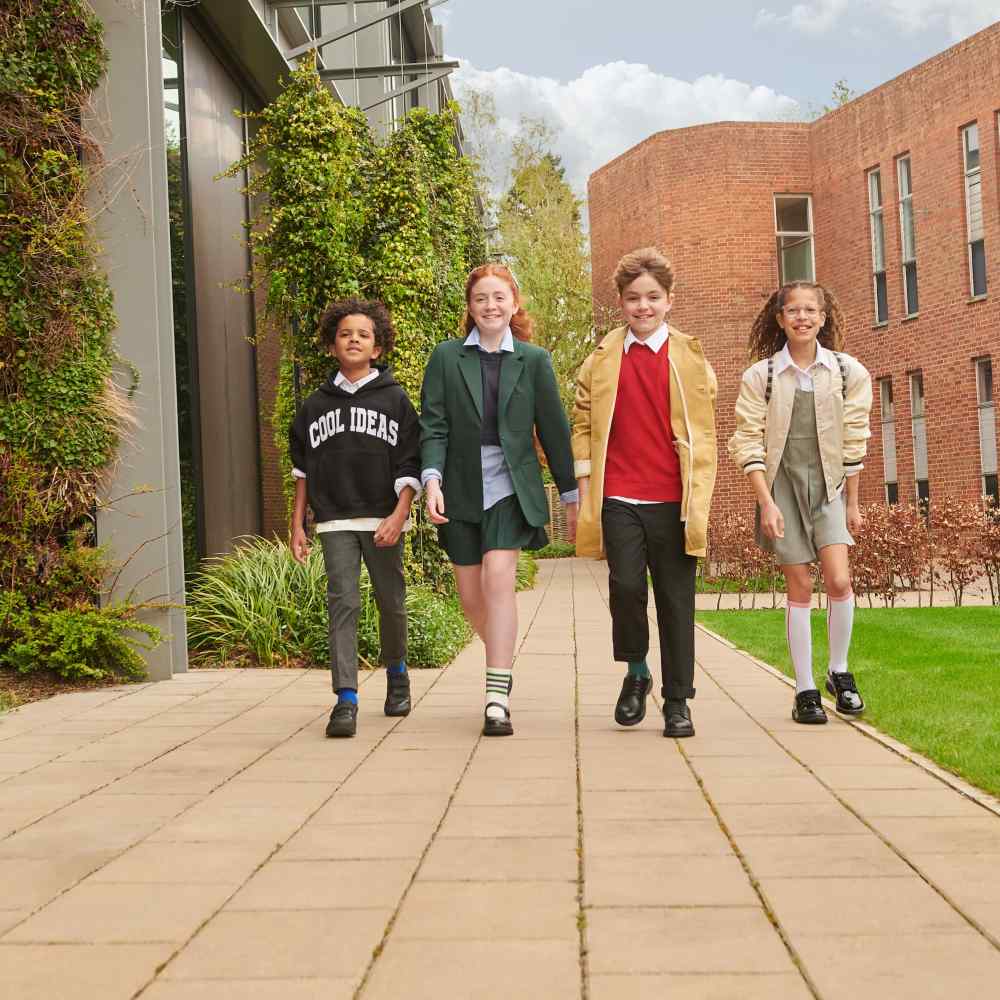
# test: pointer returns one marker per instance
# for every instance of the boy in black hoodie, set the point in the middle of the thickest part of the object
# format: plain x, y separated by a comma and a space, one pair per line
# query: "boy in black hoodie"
355, 449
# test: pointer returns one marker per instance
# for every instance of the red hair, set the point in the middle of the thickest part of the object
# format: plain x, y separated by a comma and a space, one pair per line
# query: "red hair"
521, 324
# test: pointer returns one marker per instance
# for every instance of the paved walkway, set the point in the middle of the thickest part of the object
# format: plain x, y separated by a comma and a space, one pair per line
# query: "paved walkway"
201, 839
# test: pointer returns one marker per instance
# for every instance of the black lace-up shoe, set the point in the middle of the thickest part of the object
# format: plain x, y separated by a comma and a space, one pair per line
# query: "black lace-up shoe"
677, 719
493, 726
343, 720
397, 693
808, 708
842, 685
631, 707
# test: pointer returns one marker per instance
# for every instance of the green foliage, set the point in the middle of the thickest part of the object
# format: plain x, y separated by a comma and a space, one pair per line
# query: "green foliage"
527, 570
556, 550
258, 607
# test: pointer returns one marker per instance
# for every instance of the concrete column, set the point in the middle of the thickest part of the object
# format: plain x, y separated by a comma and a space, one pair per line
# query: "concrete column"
132, 225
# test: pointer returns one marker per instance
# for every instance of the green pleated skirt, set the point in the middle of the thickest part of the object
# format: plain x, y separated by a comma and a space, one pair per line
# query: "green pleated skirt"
503, 526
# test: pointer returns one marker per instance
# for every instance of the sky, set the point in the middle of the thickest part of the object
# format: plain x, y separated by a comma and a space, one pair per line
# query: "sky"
607, 75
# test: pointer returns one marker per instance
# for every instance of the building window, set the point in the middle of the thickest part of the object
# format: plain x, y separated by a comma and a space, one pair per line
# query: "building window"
974, 209
888, 439
877, 227
908, 236
793, 228
918, 419
987, 428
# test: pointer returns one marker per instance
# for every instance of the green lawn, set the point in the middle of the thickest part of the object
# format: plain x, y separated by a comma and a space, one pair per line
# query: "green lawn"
930, 676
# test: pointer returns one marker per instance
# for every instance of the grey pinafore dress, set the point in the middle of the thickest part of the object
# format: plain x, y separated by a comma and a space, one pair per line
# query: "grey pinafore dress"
799, 490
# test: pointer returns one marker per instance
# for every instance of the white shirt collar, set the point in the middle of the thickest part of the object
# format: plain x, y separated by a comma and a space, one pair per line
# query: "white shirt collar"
784, 360
654, 341
506, 342
347, 385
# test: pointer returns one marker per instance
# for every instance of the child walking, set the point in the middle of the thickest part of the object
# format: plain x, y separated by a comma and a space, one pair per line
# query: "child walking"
483, 399
355, 449
645, 451
802, 422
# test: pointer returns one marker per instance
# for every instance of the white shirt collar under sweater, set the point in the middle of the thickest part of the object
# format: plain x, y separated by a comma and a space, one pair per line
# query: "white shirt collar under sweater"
342, 382
506, 342
654, 341
783, 360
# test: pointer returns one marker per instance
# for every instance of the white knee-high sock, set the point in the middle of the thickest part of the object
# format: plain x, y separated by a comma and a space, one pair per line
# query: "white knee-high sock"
799, 634
497, 691
839, 625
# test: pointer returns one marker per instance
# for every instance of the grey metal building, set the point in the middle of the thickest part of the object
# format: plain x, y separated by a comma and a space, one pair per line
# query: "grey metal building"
192, 478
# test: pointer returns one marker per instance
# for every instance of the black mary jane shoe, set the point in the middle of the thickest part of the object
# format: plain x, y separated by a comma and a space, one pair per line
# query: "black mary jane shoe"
497, 727
397, 693
677, 721
343, 720
630, 709
808, 708
849, 700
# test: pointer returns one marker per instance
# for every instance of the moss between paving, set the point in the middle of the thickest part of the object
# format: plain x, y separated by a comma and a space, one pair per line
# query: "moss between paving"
930, 676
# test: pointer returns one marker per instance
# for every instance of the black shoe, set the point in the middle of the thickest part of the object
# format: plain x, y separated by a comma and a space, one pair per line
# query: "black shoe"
677, 717
631, 707
842, 685
397, 693
343, 720
497, 727
808, 708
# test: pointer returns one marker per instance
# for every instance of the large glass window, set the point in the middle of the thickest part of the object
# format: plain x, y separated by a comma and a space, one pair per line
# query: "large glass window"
877, 227
918, 420
974, 209
987, 427
794, 232
908, 236
888, 421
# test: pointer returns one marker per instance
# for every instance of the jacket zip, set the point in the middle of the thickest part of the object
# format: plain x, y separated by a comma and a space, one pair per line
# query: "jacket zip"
690, 440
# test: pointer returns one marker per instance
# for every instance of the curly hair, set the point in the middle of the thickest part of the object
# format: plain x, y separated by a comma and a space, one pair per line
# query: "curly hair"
385, 332
647, 260
766, 335
521, 324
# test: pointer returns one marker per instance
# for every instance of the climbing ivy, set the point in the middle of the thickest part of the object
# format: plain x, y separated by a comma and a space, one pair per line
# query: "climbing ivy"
344, 214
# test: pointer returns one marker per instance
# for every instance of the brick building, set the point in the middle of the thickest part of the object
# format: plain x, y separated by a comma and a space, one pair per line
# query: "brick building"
893, 202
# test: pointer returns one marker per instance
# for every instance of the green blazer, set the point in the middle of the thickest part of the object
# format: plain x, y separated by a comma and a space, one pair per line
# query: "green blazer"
451, 411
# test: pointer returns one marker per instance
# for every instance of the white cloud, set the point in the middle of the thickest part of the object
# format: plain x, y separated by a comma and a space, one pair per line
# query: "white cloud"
611, 107
961, 18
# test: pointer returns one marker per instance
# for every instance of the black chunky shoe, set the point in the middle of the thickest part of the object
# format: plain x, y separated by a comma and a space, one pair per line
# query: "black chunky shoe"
497, 727
849, 701
677, 719
631, 707
343, 720
808, 708
397, 693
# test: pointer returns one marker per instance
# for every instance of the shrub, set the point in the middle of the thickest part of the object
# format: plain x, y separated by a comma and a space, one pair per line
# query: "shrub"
556, 550
953, 527
258, 607
527, 570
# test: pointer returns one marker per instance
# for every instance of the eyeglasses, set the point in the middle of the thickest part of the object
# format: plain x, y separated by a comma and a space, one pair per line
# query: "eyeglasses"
808, 311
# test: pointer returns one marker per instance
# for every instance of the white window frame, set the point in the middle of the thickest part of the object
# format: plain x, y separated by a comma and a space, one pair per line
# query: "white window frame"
779, 233
904, 182
986, 413
876, 228
887, 416
973, 205
918, 425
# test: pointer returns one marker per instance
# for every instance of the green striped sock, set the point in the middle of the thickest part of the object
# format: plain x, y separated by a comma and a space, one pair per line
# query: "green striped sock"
638, 668
498, 684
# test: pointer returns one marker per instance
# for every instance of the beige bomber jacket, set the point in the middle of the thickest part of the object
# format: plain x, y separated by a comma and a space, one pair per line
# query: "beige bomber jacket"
842, 420
692, 419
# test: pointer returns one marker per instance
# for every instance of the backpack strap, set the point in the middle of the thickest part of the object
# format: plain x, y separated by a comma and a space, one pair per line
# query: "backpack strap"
770, 379
842, 365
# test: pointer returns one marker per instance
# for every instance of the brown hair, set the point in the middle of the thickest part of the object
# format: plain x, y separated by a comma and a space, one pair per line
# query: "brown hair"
385, 332
521, 324
649, 261
766, 335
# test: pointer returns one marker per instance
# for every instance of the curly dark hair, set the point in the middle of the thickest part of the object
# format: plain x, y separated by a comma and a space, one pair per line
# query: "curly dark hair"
766, 335
385, 332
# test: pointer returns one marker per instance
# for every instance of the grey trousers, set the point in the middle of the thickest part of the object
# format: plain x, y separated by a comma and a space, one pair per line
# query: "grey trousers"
342, 554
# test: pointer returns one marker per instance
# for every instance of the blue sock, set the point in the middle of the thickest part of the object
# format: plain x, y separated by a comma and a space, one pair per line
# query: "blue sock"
347, 694
638, 668
397, 668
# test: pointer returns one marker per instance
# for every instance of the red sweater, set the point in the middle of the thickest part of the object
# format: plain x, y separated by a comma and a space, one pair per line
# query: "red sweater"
642, 462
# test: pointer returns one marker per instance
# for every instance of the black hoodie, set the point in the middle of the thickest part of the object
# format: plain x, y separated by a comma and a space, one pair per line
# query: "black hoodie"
353, 447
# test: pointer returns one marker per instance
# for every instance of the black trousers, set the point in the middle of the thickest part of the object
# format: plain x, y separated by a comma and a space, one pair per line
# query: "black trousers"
637, 536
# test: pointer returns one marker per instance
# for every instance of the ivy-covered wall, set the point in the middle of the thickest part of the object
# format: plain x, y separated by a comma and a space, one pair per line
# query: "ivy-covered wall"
61, 413
347, 215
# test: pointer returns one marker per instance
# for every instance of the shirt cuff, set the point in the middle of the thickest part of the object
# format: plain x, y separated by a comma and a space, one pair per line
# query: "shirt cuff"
581, 468
404, 481
429, 474
853, 470
298, 474
570, 496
